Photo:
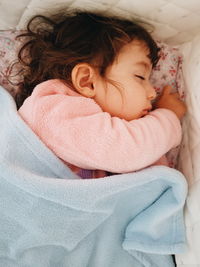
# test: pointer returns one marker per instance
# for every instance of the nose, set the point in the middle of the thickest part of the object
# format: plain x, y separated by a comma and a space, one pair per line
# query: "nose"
151, 92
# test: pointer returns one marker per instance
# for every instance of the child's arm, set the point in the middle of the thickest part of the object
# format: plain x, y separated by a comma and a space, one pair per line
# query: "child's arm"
77, 130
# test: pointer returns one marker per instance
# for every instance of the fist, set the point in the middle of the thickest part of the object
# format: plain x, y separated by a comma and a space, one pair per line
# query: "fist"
171, 101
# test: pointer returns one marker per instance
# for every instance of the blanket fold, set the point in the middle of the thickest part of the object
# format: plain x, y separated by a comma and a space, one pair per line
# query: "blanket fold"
51, 218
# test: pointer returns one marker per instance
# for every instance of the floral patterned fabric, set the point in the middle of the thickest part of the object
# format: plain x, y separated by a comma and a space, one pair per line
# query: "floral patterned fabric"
9, 46
167, 71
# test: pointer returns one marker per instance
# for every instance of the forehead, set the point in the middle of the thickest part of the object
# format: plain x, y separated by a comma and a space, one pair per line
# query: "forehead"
135, 51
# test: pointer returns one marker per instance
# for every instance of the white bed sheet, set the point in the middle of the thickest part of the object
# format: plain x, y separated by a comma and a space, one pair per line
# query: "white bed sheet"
175, 21
190, 152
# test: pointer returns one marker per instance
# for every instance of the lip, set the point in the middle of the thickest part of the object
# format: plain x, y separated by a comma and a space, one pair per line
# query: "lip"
146, 111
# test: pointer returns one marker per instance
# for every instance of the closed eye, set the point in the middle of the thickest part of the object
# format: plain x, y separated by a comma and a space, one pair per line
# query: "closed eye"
140, 77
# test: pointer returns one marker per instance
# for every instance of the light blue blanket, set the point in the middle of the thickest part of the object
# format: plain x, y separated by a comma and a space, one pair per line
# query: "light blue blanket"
50, 218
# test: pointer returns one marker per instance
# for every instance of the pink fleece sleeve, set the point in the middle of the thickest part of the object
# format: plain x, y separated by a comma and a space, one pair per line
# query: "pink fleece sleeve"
78, 132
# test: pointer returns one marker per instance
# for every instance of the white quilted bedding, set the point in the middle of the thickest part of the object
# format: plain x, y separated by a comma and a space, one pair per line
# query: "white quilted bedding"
176, 22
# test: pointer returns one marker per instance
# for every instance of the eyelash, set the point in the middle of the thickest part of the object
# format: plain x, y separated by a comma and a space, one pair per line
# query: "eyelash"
140, 77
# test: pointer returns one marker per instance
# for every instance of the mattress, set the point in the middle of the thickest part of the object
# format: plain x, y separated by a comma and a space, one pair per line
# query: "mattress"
176, 23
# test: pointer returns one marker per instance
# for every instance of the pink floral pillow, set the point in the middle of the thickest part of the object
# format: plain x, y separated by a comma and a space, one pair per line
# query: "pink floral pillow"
9, 46
168, 71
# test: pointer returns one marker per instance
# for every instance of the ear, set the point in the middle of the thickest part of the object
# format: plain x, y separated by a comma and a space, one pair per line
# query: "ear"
83, 76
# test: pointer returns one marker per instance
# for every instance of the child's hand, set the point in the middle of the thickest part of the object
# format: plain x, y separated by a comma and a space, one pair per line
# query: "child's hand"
171, 101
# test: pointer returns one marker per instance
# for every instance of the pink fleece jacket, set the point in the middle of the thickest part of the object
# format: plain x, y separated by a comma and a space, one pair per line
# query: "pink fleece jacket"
77, 130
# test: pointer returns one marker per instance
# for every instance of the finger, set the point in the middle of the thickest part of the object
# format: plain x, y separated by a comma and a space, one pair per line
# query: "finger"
176, 95
167, 90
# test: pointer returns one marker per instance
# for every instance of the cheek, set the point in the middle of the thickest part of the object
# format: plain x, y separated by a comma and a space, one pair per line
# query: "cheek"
114, 100
136, 95
109, 98
114, 94
135, 102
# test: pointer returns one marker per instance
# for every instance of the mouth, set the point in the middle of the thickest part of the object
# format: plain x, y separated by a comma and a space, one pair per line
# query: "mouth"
146, 111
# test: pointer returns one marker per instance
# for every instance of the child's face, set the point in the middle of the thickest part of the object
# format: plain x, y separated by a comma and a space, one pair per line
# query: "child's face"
130, 94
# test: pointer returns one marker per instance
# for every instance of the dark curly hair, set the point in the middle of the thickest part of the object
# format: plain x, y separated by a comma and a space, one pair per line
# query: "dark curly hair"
56, 44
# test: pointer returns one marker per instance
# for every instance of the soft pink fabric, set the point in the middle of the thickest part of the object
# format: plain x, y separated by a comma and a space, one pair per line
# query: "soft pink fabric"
77, 130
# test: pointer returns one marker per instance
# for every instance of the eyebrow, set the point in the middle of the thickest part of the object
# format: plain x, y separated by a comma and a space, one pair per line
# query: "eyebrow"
144, 64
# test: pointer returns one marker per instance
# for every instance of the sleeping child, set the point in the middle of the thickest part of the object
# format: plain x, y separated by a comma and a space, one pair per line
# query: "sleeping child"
86, 93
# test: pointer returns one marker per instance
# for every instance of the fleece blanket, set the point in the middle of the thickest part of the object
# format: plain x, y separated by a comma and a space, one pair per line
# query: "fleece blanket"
51, 218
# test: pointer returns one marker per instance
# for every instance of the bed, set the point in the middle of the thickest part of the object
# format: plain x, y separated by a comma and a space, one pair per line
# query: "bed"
177, 24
